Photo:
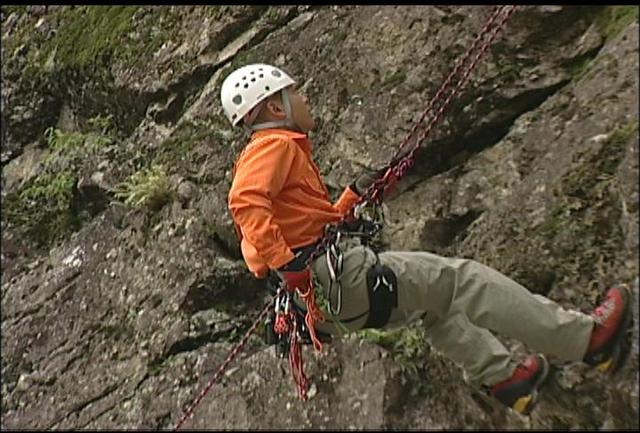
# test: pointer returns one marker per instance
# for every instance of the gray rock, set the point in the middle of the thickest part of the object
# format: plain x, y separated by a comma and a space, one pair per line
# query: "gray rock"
533, 171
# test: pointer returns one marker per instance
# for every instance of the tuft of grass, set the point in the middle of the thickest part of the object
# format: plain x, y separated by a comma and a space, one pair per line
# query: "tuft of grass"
60, 141
148, 188
407, 345
44, 208
104, 124
73, 146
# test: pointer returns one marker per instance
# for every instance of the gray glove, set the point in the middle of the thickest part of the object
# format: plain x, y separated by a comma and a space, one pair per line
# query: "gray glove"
366, 179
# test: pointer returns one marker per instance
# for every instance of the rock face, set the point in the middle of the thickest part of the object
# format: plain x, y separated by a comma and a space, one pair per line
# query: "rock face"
117, 315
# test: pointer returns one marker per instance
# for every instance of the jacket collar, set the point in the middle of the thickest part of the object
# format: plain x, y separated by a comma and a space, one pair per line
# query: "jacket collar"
287, 132
300, 138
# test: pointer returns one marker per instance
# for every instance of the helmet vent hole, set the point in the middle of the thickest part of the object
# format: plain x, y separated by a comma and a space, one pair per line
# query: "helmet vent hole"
253, 79
237, 84
261, 76
244, 78
234, 116
275, 73
246, 85
266, 88
237, 99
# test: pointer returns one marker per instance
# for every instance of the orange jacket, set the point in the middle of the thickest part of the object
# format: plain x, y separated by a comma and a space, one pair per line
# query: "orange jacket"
278, 200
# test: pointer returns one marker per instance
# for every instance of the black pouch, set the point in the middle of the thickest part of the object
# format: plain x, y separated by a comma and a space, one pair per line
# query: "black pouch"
382, 287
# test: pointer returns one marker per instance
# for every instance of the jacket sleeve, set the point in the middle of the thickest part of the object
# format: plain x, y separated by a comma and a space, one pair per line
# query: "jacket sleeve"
346, 201
260, 175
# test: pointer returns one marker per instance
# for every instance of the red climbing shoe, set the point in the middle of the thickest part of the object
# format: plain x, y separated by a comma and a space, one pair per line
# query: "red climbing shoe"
520, 392
606, 350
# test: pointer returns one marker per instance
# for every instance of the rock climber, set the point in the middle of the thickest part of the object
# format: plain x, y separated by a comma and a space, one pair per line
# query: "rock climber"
280, 207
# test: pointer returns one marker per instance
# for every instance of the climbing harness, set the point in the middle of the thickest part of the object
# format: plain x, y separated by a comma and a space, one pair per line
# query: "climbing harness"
364, 220
366, 223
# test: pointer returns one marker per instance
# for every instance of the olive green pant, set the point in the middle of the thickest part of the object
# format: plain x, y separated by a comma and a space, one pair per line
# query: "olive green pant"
460, 302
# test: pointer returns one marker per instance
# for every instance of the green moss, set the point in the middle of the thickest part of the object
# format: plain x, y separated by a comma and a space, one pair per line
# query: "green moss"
90, 35
509, 71
177, 150
177, 147
598, 166
9, 9
610, 21
614, 19
394, 79
155, 366
244, 57
272, 15
95, 37
43, 209
217, 11
582, 229
579, 66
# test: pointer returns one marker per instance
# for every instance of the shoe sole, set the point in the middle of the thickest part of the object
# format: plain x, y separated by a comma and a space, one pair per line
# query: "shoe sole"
524, 405
622, 340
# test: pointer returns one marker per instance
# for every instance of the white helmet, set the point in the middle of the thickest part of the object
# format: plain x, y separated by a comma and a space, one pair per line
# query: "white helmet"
249, 85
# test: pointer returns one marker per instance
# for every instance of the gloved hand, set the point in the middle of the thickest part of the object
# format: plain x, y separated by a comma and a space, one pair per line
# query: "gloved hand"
369, 176
296, 275
366, 179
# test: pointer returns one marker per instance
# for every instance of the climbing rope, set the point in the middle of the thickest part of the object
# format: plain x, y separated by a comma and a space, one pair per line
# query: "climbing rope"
397, 170
401, 162
447, 82
234, 352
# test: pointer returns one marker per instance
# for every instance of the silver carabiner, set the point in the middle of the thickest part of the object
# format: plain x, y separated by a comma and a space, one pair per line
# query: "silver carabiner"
334, 259
276, 308
335, 311
358, 209
287, 304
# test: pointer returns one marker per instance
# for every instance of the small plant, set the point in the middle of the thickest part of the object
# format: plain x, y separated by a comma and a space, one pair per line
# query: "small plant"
56, 191
407, 345
69, 142
147, 188
63, 141
104, 124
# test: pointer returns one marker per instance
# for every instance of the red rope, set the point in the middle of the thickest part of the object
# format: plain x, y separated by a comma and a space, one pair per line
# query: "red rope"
234, 352
281, 325
313, 315
395, 172
496, 12
295, 362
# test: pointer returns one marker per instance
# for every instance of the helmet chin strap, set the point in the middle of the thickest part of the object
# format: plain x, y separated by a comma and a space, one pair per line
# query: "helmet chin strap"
287, 122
